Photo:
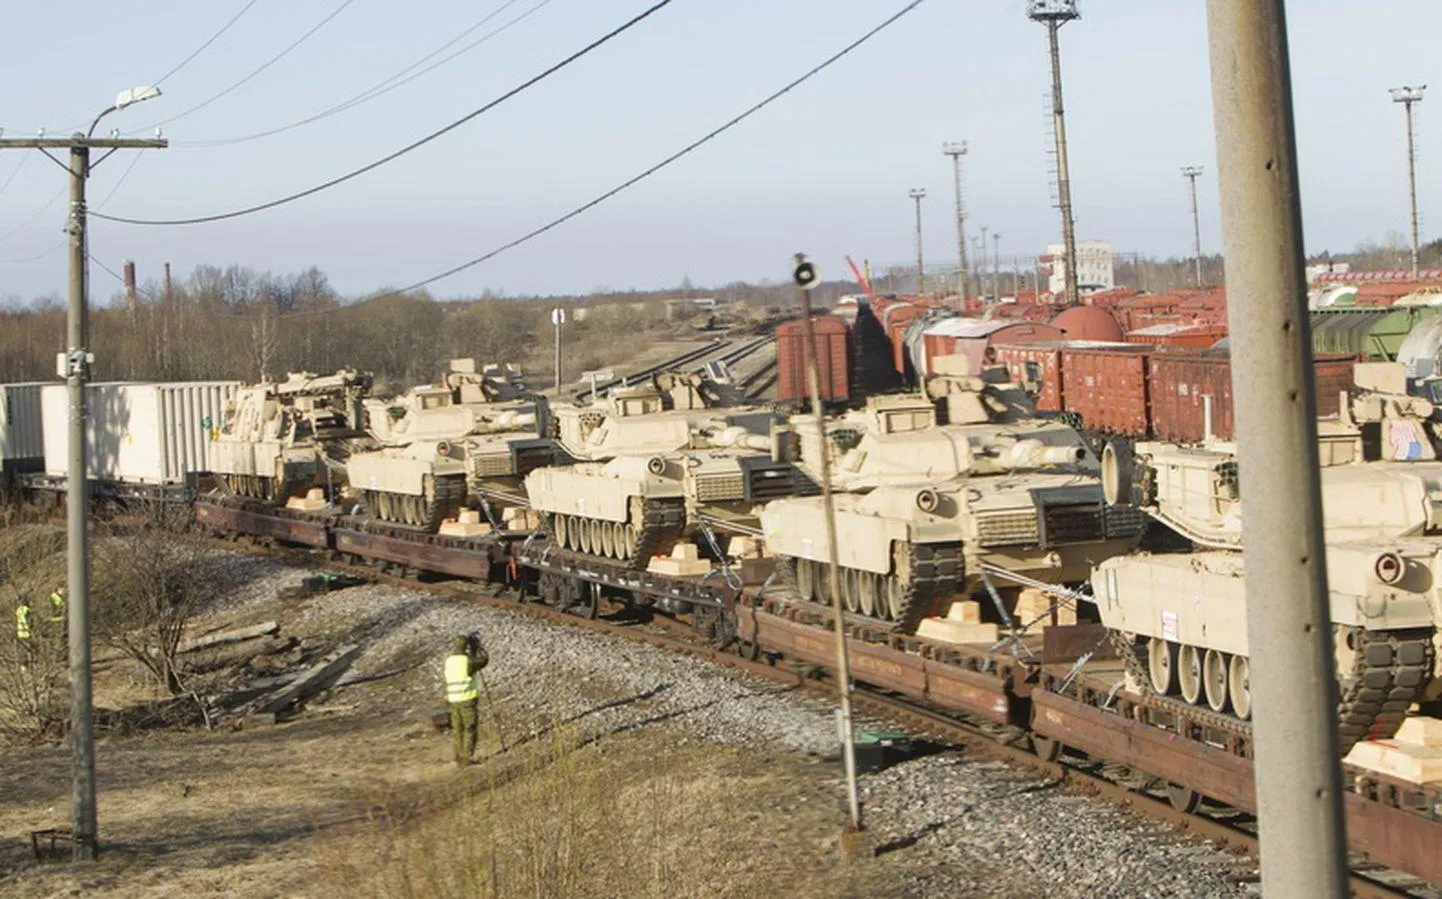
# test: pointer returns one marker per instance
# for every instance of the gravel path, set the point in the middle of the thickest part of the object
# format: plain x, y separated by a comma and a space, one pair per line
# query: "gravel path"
968, 826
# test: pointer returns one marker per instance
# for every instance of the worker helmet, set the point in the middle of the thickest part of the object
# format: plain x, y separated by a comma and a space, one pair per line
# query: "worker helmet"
462, 643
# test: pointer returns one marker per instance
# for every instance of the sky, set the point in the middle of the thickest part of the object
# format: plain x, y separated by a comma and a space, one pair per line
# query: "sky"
824, 170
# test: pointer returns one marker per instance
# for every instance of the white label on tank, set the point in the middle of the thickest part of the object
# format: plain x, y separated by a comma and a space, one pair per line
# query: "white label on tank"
1169, 626
581, 504
806, 546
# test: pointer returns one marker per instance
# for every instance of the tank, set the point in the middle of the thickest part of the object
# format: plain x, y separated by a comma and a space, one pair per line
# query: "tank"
656, 463
279, 439
956, 491
441, 444
1179, 618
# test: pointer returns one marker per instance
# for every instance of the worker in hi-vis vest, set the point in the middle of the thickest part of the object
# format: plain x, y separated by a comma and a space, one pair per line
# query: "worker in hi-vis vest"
465, 660
57, 605
24, 621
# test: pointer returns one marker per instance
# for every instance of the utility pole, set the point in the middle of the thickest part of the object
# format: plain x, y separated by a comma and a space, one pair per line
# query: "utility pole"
806, 277
956, 151
1054, 14
558, 318
1190, 172
917, 193
981, 266
978, 248
1294, 686
996, 265
74, 366
1408, 96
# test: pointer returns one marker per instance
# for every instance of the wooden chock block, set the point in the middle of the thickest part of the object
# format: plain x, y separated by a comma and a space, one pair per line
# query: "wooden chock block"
468, 516
943, 630
678, 567
686, 551
463, 529
1420, 730
964, 611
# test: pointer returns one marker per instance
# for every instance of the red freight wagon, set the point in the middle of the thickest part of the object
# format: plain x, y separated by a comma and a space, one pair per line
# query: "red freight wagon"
1177, 382
1178, 334
1039, 366
833, 358
1107, 387
895, 319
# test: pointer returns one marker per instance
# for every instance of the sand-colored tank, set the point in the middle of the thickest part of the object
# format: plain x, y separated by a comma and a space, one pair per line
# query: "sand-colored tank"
1179, 618
657, 462
440, 442
933, 509
282, 438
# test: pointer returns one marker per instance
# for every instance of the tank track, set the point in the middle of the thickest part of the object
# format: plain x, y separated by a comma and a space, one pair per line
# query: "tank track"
662, 523
450, 496
936, 570
1391, 672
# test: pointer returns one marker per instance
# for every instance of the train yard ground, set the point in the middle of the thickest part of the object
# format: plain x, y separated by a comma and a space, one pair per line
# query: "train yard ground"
626, 769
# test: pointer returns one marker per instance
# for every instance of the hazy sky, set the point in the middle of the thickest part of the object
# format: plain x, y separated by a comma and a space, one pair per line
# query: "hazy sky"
825, 170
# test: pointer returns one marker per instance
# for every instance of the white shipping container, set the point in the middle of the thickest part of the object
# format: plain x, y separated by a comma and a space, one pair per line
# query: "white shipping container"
138, 432
22, 436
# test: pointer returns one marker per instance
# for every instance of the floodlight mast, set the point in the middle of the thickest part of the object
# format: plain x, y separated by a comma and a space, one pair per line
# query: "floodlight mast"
1407, 96
956, 151
1191, 173
917, 193
1054, 14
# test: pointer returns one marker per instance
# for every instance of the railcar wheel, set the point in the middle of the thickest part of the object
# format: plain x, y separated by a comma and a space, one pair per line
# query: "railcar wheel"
588, 603
1046, 749
1239, 687
1183, 799
1214, 678
1162, 665
1189, 673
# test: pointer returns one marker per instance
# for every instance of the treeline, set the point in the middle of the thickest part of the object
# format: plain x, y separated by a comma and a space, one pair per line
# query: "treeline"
237, 323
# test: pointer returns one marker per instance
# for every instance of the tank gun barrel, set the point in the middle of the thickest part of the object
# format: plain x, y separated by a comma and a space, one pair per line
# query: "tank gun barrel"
1028, 454
736, 437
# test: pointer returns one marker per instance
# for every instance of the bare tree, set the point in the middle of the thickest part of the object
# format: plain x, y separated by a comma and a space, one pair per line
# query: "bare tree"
151, 582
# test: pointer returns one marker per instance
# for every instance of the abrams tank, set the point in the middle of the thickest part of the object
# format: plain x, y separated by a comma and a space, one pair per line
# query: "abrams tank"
439, 443
657, 462
279, 439
928, 509
1179, 619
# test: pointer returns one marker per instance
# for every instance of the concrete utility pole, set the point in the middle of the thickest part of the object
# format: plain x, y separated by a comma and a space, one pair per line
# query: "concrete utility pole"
956, 151
558, 318
806, 277
1190, 172
996, 265
1054, 14
74, 366
1294, 687
981, 265
1408, 96
917, 193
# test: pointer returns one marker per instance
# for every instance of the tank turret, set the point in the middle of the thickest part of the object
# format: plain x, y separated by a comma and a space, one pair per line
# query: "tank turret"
446, 445
280, 439
945, 494
1180, 617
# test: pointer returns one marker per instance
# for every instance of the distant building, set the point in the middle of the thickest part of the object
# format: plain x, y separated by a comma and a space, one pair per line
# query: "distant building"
1093, 267
1316, 270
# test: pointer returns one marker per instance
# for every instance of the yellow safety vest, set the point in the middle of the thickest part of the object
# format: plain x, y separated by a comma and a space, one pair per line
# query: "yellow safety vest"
57, 607
460, 685
22, 622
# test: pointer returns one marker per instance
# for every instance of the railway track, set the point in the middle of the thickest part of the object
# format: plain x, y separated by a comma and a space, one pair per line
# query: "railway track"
572, 601
731, 351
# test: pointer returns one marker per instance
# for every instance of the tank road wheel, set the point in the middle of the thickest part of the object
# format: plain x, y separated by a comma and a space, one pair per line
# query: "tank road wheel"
1239, 686
628, 535
868, 585
1189, 673
1214, 680
849, 589
805, 578
383, 506
612, 540
560, 530
1162, 665
894, 597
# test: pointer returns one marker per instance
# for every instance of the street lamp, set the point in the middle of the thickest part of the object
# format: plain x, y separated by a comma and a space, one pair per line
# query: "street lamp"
916, 193
74, 366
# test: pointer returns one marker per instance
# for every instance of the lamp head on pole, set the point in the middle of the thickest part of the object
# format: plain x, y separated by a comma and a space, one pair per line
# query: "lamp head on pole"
136, 95
1407, 94
916, 193
1058, 11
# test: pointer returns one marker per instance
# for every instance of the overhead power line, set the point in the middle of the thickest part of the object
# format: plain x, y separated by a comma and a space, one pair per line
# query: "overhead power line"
201, 49
554, 223
36, 214
709, 136
384, 87
520, 88
261, 68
